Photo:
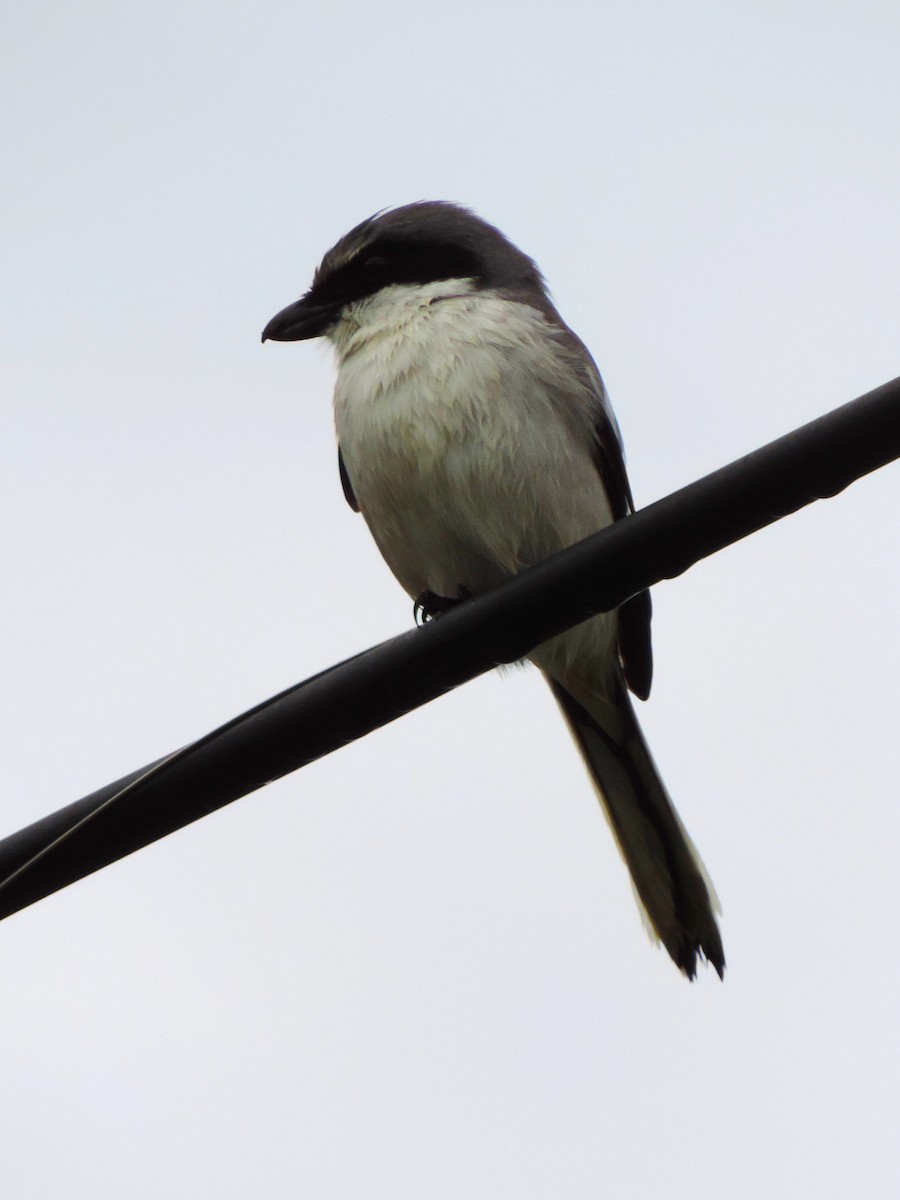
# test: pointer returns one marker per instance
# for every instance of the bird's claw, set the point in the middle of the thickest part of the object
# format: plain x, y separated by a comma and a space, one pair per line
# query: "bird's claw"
428, 606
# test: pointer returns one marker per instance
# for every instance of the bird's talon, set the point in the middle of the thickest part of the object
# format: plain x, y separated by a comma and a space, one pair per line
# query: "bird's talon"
428, 606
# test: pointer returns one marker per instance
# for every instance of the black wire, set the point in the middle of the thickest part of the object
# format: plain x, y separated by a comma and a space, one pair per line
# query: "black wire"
368, 691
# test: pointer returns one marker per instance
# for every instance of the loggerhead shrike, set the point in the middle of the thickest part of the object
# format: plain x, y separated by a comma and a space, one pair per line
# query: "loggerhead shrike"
476, 438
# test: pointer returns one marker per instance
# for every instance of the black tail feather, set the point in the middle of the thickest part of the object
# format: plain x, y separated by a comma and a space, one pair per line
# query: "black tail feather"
666, 870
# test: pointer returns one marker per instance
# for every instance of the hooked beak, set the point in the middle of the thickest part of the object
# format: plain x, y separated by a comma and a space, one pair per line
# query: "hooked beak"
300, 320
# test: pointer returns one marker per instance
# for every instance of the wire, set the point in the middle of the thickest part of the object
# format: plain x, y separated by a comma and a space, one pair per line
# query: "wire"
373, 688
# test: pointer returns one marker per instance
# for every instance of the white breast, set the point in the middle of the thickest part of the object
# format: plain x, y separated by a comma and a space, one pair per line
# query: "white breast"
465, 433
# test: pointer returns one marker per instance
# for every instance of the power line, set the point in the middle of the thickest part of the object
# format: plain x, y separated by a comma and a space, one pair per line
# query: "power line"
353, 698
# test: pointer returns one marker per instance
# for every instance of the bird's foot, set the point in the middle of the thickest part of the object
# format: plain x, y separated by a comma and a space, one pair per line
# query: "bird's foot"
428, 606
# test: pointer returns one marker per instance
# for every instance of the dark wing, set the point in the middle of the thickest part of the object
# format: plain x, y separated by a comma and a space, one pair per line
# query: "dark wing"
346, 484
635, 649
611, 464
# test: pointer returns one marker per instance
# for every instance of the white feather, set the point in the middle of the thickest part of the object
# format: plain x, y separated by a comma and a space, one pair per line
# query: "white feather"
467, 438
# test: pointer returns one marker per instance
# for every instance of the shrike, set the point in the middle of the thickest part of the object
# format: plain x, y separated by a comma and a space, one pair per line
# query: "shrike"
476, 438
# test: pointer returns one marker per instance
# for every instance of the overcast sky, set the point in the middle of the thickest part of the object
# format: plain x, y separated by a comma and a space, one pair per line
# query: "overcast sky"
415, 969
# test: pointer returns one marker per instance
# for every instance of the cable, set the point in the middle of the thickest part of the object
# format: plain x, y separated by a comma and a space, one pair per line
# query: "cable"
373, 688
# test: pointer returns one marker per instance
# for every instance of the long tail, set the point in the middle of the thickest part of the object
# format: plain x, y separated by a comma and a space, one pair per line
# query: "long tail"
668, 875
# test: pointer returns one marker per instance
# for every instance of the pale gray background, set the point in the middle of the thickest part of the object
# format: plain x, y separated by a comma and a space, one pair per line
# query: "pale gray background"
415, 969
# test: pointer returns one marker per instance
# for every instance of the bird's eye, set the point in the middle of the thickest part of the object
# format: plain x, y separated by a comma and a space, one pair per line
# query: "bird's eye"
375, 265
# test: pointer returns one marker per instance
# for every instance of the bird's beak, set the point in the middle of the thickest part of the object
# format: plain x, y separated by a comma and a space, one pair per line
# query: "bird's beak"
303, 319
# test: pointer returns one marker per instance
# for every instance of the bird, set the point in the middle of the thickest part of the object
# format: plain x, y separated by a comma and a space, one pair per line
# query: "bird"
476, 438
